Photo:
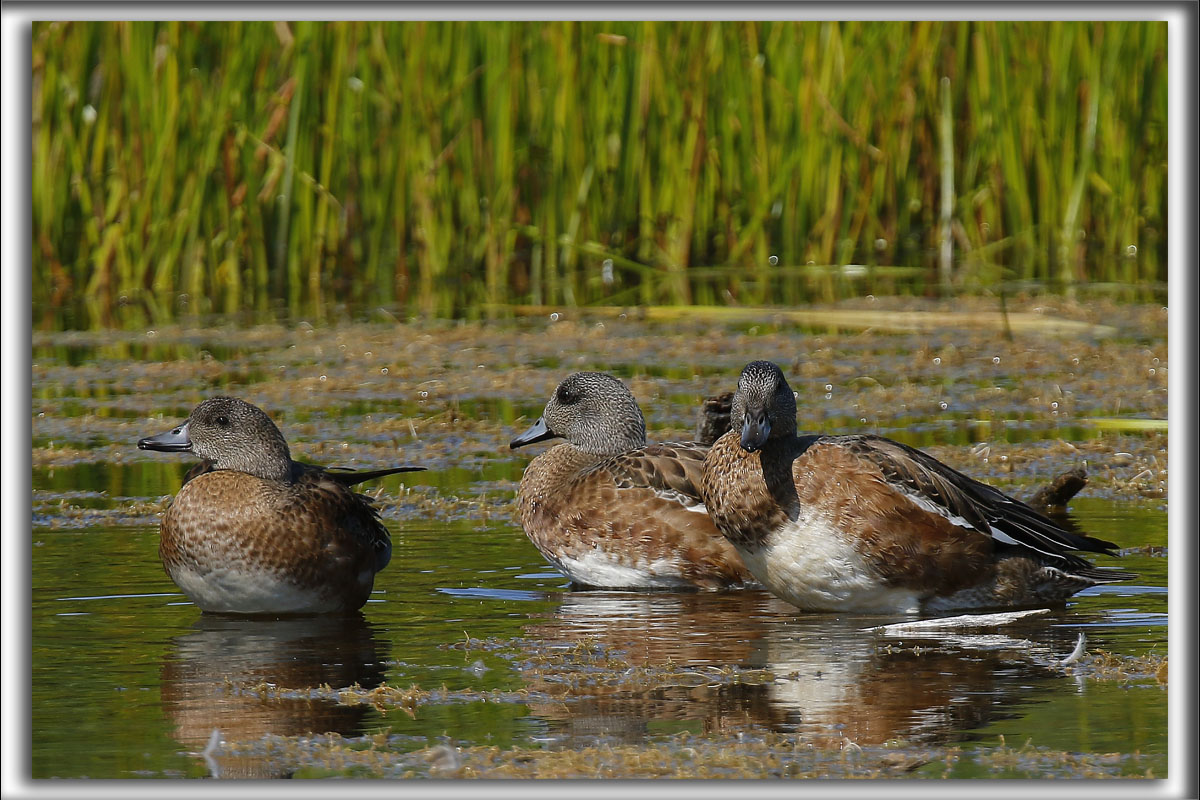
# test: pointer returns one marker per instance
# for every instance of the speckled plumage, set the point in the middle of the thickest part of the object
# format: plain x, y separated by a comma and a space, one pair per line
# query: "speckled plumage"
863, 523
253, 532
609, 510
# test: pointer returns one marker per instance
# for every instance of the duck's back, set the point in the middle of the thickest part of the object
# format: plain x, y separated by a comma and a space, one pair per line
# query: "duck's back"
240, 544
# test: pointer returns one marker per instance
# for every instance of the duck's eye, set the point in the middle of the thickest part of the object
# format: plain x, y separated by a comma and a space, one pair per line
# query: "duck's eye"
567, 396
223, 421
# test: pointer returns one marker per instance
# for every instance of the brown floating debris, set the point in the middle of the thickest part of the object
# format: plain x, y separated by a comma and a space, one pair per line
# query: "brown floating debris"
1059, 491
712, 421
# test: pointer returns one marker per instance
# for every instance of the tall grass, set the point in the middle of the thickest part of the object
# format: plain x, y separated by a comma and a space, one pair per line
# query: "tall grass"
443, 168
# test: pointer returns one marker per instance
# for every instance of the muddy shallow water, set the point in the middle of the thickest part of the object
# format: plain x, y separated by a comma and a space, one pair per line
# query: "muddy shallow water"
474, 658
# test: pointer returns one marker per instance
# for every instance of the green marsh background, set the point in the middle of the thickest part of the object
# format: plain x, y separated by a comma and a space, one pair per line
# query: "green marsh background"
456, 169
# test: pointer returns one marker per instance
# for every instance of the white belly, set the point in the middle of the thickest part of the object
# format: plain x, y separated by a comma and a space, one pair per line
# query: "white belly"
814, 568
237, 592
597, 568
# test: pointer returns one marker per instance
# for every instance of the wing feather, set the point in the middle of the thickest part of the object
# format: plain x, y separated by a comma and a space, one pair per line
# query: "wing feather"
968, 502
671, 470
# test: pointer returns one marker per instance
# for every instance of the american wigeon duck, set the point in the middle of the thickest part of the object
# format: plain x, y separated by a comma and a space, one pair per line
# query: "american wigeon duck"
253, 532
863, 523
607, 509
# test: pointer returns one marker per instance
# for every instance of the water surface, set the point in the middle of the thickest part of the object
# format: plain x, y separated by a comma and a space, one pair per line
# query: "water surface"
482, 658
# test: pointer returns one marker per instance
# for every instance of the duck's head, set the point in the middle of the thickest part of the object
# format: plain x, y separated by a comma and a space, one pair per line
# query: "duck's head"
593, 411
764, 406
230, 434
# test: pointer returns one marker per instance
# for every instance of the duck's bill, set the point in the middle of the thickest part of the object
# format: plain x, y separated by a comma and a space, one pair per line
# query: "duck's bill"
538, 432
755, 430
173, 441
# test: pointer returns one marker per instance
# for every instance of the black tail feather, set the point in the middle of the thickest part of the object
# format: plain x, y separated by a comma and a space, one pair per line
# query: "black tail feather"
1038, 526
1101, 575
349, 477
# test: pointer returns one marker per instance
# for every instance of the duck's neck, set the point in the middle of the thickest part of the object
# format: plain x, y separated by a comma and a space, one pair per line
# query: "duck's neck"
273, 463
613, 440
745, 493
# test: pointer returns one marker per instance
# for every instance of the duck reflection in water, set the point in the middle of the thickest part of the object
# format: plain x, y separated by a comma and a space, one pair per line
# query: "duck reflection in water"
822, 676
210, 675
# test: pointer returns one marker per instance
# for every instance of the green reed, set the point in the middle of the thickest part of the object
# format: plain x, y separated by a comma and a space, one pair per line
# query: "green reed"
448, 169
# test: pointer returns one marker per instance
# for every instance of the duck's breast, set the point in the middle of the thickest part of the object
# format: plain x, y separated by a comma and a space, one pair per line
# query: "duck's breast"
603, 525
236, 543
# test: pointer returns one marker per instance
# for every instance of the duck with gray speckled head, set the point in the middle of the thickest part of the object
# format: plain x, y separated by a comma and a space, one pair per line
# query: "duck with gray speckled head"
865, 524
609, 510
253, 532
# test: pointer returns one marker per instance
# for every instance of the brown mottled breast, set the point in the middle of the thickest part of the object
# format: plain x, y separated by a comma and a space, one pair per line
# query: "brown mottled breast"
633, 506
748, 495
315, 531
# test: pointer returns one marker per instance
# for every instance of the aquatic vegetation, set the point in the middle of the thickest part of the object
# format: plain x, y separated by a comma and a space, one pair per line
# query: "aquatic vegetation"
451, 395
753, 755
1102, 665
